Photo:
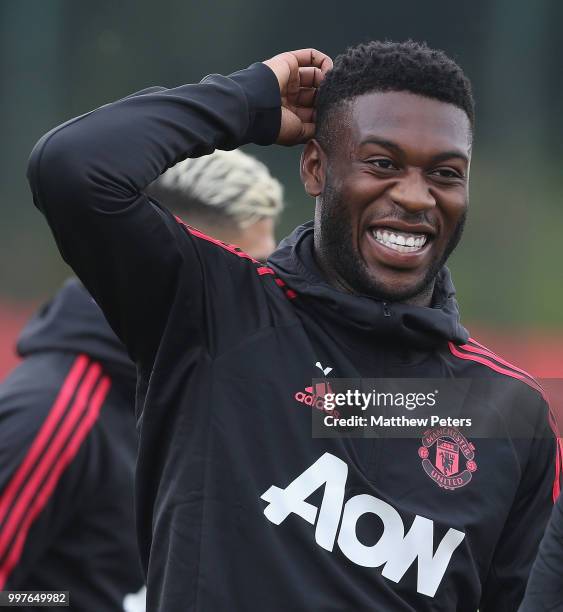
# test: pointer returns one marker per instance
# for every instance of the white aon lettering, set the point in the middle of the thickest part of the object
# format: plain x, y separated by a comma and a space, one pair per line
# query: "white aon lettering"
135, 602
394, 550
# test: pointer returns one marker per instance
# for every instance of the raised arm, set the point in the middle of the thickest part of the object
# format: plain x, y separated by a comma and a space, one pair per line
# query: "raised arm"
87, 177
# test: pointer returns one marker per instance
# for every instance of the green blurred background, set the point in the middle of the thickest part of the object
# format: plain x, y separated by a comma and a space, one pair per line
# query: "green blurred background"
60, 58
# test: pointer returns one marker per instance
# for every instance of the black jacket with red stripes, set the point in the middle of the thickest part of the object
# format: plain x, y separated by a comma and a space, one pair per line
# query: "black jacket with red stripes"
239, 507
67, 456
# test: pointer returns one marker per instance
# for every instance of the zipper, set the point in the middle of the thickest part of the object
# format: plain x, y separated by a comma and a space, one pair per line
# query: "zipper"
386, 310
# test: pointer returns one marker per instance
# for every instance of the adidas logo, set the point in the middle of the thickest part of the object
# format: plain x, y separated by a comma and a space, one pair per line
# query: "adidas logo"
315, 397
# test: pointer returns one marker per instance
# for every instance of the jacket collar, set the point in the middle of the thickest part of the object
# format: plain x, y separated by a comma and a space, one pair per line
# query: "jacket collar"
416, 326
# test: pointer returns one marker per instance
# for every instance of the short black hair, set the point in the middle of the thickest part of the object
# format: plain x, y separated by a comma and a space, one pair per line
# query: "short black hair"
391, 66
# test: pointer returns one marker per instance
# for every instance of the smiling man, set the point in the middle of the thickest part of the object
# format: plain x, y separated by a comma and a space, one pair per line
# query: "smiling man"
238, 506
390, 166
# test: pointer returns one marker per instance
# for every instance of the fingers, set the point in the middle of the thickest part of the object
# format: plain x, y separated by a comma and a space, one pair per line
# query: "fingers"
302, 68
306, 96
299, 74
297, 127
313, 57
310, 76
310, 64
303, 90
307, 115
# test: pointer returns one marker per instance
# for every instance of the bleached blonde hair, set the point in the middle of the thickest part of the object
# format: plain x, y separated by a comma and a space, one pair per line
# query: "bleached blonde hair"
224, 187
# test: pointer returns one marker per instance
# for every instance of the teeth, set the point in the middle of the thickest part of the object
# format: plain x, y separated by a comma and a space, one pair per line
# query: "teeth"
403, 243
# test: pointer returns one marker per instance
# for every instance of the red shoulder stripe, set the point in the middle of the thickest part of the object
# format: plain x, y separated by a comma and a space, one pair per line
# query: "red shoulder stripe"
62, 447
558, 456
227, 247
231, 248
489, 353
485, 360
485, 357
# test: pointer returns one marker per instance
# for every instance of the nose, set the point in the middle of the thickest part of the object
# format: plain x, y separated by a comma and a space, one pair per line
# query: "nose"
411, 192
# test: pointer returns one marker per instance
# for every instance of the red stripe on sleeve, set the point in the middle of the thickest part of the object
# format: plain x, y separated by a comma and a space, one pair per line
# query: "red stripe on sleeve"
483, 350
484, 357
485, 360
261, 270
264, 270
93, 411
558, 456
38, 445
25, 499
227, 247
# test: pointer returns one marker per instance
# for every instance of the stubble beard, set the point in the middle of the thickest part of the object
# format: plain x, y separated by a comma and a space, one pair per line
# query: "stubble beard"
345, 268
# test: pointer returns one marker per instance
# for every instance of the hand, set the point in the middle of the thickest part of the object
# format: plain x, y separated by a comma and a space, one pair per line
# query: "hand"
299, 74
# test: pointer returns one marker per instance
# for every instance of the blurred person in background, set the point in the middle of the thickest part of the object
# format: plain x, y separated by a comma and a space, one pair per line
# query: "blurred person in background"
68, 447
228, 195
544, 592
238, 506
67, 424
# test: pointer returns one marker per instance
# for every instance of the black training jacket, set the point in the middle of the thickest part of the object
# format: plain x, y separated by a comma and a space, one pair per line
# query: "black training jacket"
67, 457
544, 592
238, 506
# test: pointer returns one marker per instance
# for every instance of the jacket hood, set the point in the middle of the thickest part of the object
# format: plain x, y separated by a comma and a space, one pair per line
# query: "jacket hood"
418, 326
73, 322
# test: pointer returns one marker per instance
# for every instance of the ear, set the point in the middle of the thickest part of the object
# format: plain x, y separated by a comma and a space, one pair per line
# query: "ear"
313, 168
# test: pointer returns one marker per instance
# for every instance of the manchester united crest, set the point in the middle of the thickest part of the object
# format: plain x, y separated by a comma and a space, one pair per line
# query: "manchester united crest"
447, 457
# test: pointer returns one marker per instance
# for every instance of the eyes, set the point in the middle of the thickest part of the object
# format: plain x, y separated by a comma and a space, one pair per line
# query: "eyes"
383, 163
386, 167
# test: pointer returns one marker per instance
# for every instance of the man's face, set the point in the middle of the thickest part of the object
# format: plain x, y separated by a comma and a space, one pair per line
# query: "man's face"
392, 193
